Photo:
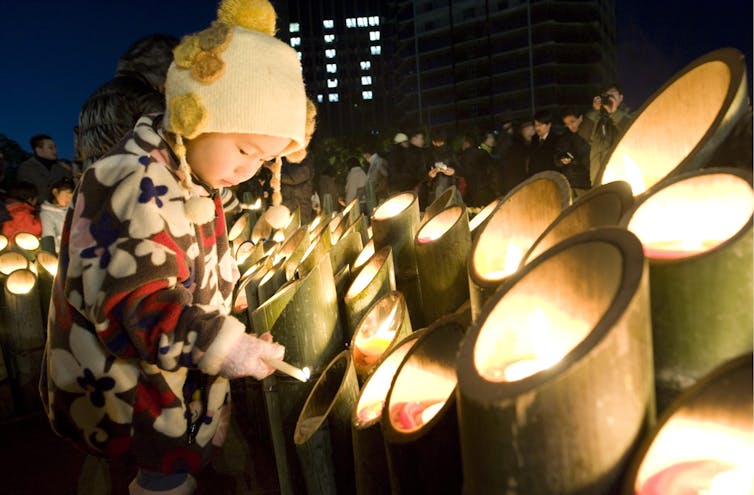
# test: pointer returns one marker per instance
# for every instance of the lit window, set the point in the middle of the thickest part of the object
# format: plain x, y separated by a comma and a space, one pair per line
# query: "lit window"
367, 95
329, 38
293, 27
365, 64
332, 97
299, 57
332, 68
366, 80
332, 83
374, 36
320, 98
374, 20
362, 22
351, 22
328, 23
375, 50
330, 53
295, 41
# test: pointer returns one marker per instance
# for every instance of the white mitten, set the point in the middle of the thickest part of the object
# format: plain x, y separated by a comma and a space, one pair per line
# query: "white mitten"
247, 356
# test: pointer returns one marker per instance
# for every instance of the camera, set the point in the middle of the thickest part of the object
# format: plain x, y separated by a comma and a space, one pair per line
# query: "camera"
606, 98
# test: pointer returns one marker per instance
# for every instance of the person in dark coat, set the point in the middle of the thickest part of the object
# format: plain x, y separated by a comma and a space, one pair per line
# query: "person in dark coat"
544, 144
476, 166
573, 150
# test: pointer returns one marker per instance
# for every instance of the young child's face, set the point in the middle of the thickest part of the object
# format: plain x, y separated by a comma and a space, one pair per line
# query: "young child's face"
225, 159
63, 196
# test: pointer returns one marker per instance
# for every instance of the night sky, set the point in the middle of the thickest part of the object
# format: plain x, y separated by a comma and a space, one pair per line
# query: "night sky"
54, 54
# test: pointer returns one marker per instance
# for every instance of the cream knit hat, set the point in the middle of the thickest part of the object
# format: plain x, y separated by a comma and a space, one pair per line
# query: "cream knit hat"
236, 77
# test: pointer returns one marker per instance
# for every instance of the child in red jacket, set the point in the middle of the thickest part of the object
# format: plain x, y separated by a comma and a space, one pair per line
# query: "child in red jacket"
20, 205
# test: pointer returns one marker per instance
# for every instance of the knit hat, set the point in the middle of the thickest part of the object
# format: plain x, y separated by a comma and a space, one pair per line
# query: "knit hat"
236, 77
400, 138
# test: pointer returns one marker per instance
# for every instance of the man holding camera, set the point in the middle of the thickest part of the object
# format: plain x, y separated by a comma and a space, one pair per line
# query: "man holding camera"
611, 119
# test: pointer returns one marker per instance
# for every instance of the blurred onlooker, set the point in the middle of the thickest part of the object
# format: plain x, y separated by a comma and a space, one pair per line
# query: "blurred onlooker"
356, 182
445, 163
476, 166
400, 176
542, 153
610, 119
573, 150
377, 173
296, 186
137, 88
19, 211
516, 160
43, 168
52, 212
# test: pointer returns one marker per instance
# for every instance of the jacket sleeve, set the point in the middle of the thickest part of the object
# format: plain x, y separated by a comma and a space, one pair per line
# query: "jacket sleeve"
133, 256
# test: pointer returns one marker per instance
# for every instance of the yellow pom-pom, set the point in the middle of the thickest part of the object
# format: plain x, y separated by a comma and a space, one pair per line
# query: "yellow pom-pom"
215, 38
187, 115
208, 67
277, 216
186, 51
257, 15
199, 210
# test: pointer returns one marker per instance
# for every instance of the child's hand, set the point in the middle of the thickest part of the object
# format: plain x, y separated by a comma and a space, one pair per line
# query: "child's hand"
248, 354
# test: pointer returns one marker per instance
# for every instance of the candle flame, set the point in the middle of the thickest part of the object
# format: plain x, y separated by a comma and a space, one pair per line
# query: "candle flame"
306, 373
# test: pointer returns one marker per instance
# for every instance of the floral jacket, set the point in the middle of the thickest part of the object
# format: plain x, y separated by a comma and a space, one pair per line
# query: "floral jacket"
139, 321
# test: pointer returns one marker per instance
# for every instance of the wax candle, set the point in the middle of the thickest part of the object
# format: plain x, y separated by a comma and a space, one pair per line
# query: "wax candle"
412, 415
370, 411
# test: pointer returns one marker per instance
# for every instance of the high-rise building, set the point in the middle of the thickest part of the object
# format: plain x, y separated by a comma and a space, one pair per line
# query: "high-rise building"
343, 47
465, 62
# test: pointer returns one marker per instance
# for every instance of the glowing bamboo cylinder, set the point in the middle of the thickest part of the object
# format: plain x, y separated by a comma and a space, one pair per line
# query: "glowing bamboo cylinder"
442, 251
272, 280
478, 221
376, 279
697, 234
419, 422
11, 261
4, 243
555, 376
27, 244
248, 254
382, 326
359, 225
240, 232
320, 246
22, 334
704, 443
294, 223
345, 219
346, 250
679, 127
47, 268
448, 197
363, 257
370, 460
323, 430
293, 250
395, 223
521, 217
602, 206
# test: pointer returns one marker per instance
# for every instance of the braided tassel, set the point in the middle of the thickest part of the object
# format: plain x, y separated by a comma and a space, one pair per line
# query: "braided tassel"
199, 210
277, 215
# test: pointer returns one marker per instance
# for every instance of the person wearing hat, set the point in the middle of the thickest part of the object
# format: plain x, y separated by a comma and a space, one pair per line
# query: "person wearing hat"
141, 343
400, 173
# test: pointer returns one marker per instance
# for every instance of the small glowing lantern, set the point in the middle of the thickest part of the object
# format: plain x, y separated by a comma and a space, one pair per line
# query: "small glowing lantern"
704, 444
447, 198
476, 224
11, 261
385, 323
555, 376
376, 279
363, 256
696, 229
47, 268
27, 243
346, 250
442, 250
682, 123
3, 243
524, 213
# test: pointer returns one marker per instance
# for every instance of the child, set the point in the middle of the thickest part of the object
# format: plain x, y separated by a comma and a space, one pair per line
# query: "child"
20, 213
52, 212
141, 342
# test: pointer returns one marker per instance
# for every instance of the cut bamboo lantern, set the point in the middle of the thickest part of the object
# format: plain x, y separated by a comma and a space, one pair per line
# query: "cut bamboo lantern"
240, 232
359, 225
323, 430
383, 325
11, 261
23, 335
363, 257
47, 268
272, 280
419, 421
555, 376
346, 250
320, 246
704, 443
395, 223
248, 254
27, 244
520, 218
293, 250
602, 206
443, 244
448, 197
478, 221
375, 280
697, 234
3, 243
370, 460
345, 219
681, 124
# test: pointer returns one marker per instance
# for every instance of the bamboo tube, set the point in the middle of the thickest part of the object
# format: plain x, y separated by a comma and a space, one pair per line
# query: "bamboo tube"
333, 227
602, 206
555, 376
346, 250
384, 325
395, 223
47, 268
23, 335
363, 257
323, 430
359, 225
478, 221
319, 247
520, 218
370, 460
448, 197
442, 250
422, 447
343, 280
11, 261
696, 229
376, 279
293, 250
3, 243
272, 280
293, 224
240, 232
27, 244
704, 442
248, 254
345, 219
317, 223
679, 127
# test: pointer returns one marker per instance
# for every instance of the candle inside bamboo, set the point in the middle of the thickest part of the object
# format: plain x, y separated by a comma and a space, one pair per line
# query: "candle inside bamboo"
301, 374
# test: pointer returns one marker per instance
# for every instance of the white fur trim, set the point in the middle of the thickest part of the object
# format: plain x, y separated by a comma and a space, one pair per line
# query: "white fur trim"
224, 342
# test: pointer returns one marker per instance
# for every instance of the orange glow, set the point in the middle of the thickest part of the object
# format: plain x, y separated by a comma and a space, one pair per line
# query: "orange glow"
438, 225
3, 242
627, 171
364, 255
11, 261
394, 206
49, 261
511, 261
26, 241
377, 331
20, 282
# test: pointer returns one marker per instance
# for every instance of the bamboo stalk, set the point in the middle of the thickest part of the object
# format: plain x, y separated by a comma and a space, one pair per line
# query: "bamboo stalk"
555, 376
363, 257
370, 460
449, 197
47, 268
443, 244
478, 221
346, 250
702, 292
359, 225
375, 280
240, 232
319, 247
271, 281
323, 430
248, 254
3, 243
293, 249
523, 214
27, 244
424, 457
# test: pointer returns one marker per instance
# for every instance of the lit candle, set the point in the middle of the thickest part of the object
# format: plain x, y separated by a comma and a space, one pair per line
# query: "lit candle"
412, 415
699, 477
370, 411
373, 342
290, 370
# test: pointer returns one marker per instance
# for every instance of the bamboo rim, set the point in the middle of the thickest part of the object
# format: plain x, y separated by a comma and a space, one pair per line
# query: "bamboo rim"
3, 242
26, 241
374, 280
681, 124
20, 282
363, 256
48, 262
11, 261
346, 250
478, 220
446, 199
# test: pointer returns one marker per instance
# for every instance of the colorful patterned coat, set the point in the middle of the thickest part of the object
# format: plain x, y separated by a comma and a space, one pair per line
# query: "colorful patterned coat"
139, 323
